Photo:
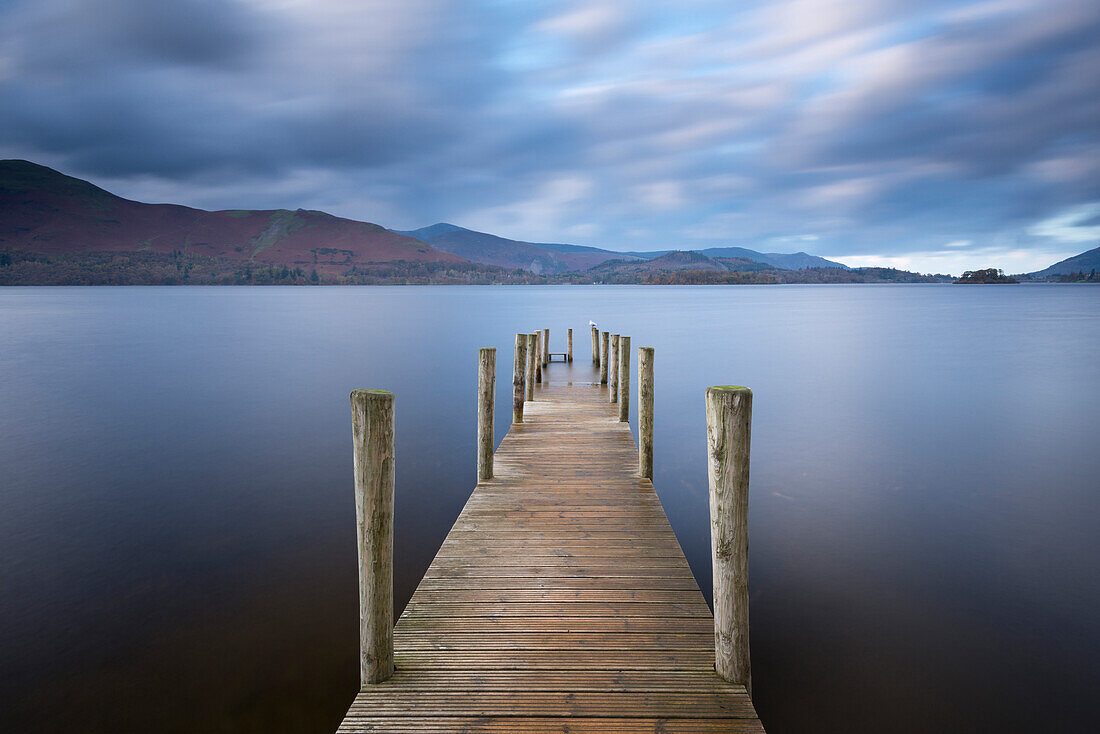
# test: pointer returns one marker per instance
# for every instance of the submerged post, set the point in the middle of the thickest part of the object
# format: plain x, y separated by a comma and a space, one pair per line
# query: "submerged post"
729, 419
486, 400
645, 412
613, 369
624, 379
545, 347
595, 345
569, 345
604, 336
531, 366
519, 375
372, 420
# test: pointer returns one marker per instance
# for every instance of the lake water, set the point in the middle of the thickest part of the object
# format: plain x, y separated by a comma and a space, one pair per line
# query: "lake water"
177, 538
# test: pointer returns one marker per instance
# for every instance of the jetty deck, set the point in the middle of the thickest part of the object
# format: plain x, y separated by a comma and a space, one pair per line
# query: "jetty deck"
560, 601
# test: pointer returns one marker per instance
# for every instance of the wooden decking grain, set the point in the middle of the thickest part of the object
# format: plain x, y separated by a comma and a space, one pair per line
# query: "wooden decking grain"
560, 601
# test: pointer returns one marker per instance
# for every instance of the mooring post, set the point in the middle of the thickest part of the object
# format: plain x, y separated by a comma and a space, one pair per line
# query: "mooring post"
729, 419
595, 345
486, 401
569, 345
624, 379
613, 369
519, 378
545, 347
538, 356
531, 351
372, 419
604, 336
645, 412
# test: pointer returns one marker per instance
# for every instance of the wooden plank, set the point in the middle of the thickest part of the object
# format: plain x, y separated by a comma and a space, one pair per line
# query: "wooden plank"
560, 601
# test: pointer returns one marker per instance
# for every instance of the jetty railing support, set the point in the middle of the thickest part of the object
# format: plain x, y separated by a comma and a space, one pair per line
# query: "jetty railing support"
486, 402
537, 356
604, 337
545, 347
624, 379
519, 378
645, 412
569, 345
372, 421
613, 369
531, 355
729, 420
595, 345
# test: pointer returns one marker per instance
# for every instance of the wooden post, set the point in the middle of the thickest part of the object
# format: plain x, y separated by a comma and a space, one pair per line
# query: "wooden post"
538, 357
545, 347
569, 345
729, 419
603, 357
519, 378
372, 419
645, 412
624, 379
613, 369
486, 401
531, 352
595, 345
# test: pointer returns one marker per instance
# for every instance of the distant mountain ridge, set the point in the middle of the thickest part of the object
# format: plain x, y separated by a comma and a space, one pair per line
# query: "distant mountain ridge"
47, 212
1086, 262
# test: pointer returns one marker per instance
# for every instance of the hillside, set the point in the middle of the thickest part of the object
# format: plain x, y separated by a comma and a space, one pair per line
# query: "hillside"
1084, 263
783, 261
675, 261
46, 212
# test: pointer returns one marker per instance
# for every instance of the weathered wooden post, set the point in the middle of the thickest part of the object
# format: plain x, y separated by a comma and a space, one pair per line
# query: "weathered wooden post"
645, 412
595, 345
545, 347
613, 368
531, 351
372, 420
604, 336
486, 401
624, 379
569, 345
538, 357
519, 378
729, 419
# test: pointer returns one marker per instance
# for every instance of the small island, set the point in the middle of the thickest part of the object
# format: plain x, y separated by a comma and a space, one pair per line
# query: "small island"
984, 277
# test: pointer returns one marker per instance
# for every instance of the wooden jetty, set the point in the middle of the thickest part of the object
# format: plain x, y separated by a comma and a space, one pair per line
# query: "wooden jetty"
560, 601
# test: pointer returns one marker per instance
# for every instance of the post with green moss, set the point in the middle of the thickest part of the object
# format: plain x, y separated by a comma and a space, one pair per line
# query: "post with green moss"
486, 400
531, 352
373, 449
604, 338
595, 346
545, 347
519, 378
624, 379
613, 368
729, 419
569, 345
645, 412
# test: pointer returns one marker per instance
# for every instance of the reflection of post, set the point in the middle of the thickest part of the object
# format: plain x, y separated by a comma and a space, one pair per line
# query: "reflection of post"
569, 345
624, 379
645, 412
531, 351
372, 419
613, 368
519, 378
729, 419
486, 399
604, 336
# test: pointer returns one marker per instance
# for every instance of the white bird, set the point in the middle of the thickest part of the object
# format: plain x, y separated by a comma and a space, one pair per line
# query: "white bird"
591, 322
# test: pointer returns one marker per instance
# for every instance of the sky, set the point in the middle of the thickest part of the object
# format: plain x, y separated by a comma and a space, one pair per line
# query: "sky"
932, 136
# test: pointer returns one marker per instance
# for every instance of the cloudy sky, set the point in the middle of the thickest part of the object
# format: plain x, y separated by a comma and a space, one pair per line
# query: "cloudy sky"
929, 135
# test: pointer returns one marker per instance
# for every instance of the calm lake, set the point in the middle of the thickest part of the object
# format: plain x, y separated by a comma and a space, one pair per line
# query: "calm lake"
177, 538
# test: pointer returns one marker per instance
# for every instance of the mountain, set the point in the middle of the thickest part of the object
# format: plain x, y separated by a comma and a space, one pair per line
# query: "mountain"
1085, 263
792, 261
46, 212
489, 249
675, 261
